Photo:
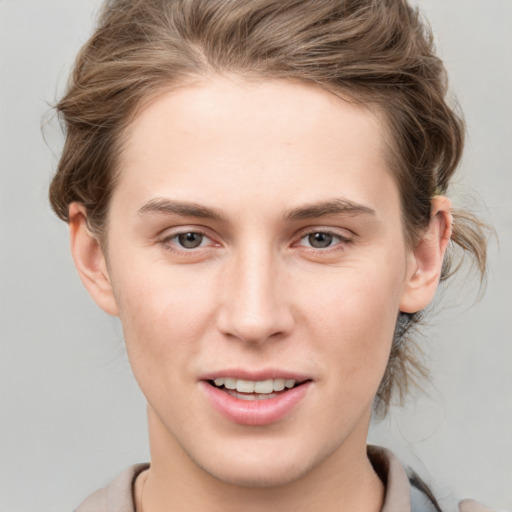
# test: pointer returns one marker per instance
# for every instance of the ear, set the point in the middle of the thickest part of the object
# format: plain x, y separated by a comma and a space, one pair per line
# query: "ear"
90, 260
426, 259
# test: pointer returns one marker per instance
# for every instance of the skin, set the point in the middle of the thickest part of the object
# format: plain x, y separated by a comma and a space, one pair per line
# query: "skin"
265, 157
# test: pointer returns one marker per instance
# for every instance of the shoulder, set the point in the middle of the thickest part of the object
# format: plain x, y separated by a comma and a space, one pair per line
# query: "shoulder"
116, 496
405, 490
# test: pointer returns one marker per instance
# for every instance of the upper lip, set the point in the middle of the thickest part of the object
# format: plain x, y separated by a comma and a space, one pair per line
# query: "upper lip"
255, 375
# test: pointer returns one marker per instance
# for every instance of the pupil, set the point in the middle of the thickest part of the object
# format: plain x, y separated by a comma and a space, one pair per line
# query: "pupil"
320, 240
190, 240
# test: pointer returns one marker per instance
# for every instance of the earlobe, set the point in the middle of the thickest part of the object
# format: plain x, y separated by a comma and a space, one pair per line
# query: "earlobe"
90, 260
426, 259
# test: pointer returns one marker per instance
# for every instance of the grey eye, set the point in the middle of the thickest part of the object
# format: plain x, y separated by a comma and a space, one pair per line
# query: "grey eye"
320, 240
190, 240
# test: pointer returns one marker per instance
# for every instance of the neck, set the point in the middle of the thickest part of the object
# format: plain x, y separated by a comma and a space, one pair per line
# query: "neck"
345, 480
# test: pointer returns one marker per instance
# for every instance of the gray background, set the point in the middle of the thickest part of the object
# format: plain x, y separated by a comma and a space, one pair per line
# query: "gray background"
71, 416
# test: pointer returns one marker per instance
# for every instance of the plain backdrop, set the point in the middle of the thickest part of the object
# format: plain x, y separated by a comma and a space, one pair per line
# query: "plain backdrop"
71, 416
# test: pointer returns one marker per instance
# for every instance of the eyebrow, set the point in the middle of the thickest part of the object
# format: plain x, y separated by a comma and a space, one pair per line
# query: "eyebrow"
331, 207
186, 209
308, 211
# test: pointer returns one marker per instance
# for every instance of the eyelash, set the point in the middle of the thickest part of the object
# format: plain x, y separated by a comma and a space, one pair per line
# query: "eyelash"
171, 243
342, 240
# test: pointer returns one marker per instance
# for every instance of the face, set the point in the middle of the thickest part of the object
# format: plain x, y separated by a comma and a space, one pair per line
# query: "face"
257, 261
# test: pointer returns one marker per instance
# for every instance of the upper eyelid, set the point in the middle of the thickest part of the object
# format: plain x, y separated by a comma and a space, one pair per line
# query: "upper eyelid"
169, 237
327, 231
171, 232
341, 244
343, 233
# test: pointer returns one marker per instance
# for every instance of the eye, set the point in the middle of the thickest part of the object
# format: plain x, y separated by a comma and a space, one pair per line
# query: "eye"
190, 240
186, 240
322, 240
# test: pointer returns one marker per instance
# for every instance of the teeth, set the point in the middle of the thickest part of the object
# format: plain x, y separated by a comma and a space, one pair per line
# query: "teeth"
230, 383
262, 387
245, 386
279, 384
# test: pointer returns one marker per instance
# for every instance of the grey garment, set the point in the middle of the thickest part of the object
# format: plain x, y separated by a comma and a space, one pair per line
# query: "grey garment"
420, 502
400, 495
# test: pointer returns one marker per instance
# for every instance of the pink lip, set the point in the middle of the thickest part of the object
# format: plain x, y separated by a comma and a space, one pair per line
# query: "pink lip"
255, 412
238, 373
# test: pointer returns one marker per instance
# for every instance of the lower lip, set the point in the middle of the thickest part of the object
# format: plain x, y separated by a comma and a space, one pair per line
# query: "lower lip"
255, 412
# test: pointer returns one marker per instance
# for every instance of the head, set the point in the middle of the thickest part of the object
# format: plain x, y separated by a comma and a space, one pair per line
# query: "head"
371, 62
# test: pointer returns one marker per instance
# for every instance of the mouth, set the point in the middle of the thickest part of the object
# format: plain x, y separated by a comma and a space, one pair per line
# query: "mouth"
254, 389
257, 402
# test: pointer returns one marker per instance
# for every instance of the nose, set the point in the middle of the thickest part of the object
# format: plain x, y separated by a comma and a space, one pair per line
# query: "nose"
255, 305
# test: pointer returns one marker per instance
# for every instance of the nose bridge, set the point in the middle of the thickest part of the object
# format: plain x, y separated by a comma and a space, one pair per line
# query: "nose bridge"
255, 306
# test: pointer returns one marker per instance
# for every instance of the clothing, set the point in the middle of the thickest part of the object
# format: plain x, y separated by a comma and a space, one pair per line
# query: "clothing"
401, 496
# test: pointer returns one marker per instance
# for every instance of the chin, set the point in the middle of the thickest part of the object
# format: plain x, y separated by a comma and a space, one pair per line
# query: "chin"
276, 468
251, 477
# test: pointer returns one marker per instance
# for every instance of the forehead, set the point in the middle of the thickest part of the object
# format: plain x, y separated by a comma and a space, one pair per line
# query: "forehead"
278, 140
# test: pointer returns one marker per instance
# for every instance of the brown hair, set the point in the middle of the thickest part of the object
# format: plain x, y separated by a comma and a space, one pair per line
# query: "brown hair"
376, 52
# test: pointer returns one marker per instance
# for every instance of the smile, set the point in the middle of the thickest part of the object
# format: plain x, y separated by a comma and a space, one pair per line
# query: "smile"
251, 389
255, 402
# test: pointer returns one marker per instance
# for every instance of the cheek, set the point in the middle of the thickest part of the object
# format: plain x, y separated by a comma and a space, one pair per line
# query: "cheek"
164, 311
164, 317
353, 317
